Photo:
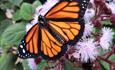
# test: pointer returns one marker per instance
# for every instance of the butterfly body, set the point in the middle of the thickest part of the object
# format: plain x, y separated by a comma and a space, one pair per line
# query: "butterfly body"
61, 26
42, 21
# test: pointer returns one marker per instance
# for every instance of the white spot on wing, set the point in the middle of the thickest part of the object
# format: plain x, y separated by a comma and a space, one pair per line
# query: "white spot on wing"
21, 46
23, 51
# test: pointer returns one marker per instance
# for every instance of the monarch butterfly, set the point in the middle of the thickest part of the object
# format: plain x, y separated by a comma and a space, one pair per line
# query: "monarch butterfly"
62, 25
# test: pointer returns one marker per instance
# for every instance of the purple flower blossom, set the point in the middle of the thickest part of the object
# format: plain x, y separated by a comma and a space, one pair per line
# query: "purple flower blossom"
32, 64
86, 49
106, 39
88, 29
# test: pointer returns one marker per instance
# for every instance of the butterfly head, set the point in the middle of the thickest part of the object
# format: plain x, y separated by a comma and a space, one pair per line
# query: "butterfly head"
42, 20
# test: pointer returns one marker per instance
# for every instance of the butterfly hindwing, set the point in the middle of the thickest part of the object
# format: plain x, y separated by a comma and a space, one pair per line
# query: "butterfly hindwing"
28, 47
51, 48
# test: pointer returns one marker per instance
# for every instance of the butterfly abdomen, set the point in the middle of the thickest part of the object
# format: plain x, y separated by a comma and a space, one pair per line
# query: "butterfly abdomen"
56, 35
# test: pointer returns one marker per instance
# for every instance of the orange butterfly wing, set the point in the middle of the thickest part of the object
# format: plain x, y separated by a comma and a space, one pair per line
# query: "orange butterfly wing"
64, 10
65, 27
28, 47
67, 10
51, 48
67, 30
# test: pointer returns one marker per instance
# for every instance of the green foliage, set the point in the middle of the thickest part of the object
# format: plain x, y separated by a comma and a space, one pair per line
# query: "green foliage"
6, 5
7, 62
25, 65
96, 30
13, 34
16, 2
102, 51
105, 66
26, 11
17, 16
12, 30
2, 16
112, 57
41, 65
69, 66
4, 24
106, 22
36, 4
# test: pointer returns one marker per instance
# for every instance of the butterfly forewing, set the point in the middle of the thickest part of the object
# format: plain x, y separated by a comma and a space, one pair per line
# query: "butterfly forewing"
68, 10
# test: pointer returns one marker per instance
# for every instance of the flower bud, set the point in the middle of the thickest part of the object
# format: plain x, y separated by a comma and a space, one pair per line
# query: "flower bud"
38, 60
97, 23
112, 19
99, 2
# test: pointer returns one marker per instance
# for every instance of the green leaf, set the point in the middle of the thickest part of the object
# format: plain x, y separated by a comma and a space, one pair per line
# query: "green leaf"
6, 5
7, 62
4, 24
13, 34
106, 22
41, 65
0, 41
25, 65
36, 4
102, 51
16, 2
17, 16
69, 66
112, 57
114, 36
96, 30
26, 11
104, 65
2, 15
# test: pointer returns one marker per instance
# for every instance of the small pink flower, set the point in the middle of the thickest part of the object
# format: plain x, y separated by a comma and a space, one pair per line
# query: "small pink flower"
92, 1
42, 10
106, 39
89, 14
86, 49
32, 64
111, 5
88, 29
